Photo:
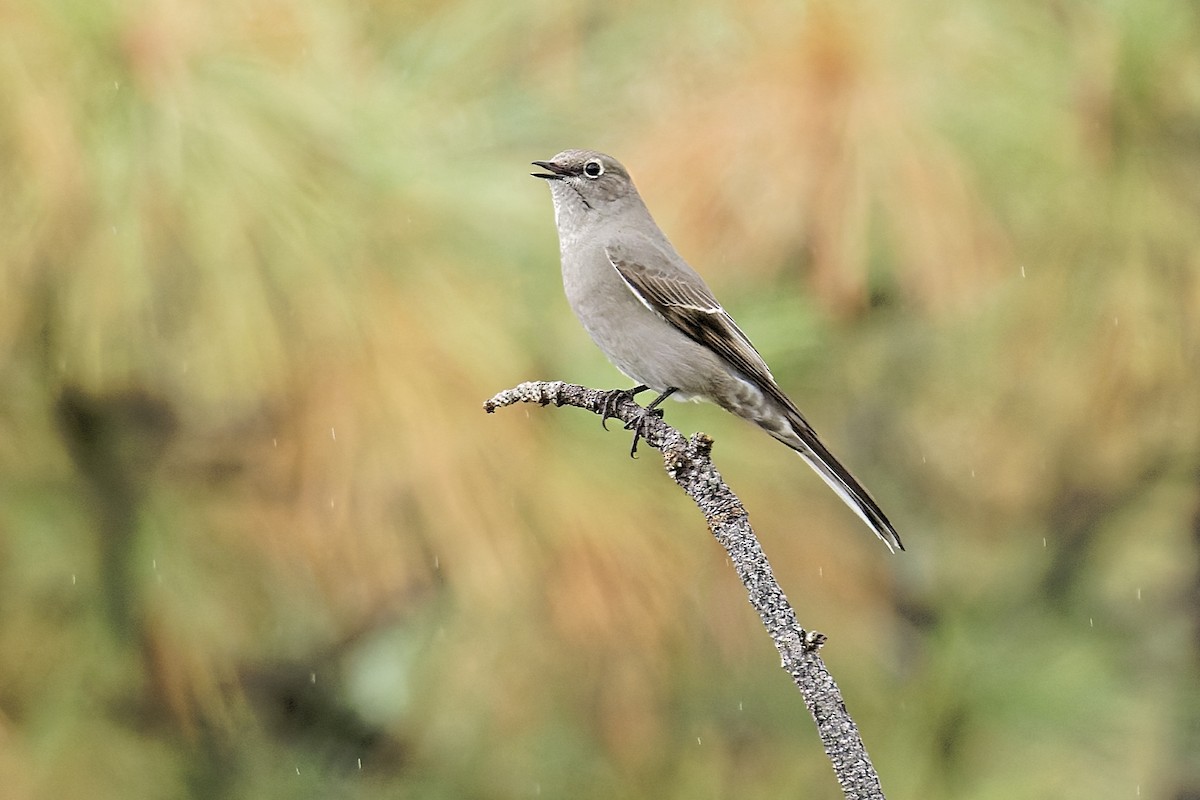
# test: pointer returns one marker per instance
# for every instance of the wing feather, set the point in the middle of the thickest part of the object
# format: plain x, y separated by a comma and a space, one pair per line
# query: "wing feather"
680, 296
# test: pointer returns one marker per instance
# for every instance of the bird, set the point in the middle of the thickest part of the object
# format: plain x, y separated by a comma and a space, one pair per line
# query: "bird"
657, 321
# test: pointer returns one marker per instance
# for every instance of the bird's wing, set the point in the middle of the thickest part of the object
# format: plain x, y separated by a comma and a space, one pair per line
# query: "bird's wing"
676, 293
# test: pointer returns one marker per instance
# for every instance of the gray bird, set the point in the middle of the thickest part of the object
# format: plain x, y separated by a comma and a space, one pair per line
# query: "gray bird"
658, 322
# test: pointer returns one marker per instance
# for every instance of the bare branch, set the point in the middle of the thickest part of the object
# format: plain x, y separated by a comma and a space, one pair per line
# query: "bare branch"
687, 461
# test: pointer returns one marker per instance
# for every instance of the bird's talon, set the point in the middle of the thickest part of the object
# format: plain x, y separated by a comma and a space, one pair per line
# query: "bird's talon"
638, 434
608, 406
657, 413
638, 426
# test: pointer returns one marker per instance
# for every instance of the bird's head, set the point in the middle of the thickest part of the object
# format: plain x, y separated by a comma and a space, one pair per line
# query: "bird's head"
587, 185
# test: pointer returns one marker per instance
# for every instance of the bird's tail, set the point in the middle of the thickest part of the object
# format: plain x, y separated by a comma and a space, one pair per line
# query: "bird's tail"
800, 436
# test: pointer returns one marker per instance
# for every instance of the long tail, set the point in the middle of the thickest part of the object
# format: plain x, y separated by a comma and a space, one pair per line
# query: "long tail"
803, 439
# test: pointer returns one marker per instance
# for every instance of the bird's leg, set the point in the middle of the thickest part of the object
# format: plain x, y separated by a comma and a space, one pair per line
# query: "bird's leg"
608, 407
654, 404
652, 410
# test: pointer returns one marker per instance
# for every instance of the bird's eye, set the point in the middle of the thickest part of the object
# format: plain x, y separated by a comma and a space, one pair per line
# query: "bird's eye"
593, 169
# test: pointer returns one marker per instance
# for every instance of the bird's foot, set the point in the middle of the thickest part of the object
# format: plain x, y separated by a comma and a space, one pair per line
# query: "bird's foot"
639, 426
608, 406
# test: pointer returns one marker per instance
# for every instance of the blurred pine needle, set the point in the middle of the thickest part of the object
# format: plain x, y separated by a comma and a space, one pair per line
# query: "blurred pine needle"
261, 262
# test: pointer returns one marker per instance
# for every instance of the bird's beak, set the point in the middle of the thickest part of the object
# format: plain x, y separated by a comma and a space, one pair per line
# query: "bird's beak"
557, 171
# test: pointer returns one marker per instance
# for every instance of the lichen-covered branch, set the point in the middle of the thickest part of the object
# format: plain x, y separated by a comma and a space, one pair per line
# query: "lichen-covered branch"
687, 461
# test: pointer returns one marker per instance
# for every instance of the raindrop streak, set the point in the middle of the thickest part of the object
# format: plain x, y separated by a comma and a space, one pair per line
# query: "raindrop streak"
1043, 541
1022, 270
360, 763
312, 677
72, 578
1091, 622
333, 433
1139, 593
698, 740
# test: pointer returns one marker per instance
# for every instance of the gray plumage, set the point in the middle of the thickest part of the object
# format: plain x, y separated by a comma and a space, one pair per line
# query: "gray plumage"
658, 322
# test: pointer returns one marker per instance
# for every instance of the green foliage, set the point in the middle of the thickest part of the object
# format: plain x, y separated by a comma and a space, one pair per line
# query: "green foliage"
262, 262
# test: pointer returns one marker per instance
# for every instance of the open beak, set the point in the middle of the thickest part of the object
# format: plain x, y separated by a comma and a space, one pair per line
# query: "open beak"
557, 172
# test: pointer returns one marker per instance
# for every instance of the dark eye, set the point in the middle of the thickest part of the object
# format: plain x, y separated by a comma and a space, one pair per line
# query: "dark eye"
593, 169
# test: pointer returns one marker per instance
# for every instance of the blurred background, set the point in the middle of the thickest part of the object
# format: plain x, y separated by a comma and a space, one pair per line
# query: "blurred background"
263, 261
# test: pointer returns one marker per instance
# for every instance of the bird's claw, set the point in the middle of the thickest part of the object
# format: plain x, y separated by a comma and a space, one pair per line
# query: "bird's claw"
608, 410
608, 406
640, 428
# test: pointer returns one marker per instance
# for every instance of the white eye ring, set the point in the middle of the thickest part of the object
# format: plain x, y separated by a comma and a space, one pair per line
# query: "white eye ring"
593, 169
